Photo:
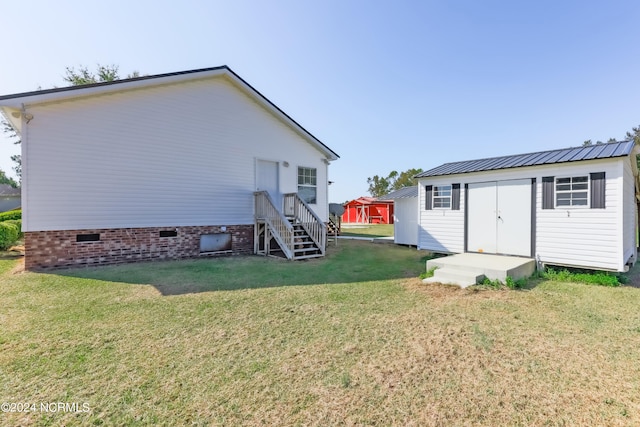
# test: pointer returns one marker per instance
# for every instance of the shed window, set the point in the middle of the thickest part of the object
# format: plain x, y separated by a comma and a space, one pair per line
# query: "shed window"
572, 191
442, 196
307, 184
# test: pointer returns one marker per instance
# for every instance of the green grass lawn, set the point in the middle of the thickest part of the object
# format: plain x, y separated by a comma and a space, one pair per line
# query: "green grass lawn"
352, 339
368, 230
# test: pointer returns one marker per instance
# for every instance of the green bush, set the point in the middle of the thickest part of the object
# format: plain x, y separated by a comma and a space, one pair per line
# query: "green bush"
591, 278
515, 284
9, 234
509, 282
10, 215
17, 223
428, 273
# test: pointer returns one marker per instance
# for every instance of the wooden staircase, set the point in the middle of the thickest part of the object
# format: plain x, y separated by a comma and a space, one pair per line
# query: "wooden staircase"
334, 225
294, 232
304, 246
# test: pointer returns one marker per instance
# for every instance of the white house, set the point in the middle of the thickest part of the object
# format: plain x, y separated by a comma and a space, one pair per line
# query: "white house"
571, 207
405, 215
185, 164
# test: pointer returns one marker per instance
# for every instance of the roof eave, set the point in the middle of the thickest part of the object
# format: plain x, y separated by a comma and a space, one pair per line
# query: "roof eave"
20, 101
521, 167
13, 116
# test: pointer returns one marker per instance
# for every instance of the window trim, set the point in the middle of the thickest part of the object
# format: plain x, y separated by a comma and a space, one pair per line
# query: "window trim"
306, 185
572, 177
437, 188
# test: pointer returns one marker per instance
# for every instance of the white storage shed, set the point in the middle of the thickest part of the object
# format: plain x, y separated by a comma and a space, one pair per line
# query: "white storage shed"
573, 207
405, 215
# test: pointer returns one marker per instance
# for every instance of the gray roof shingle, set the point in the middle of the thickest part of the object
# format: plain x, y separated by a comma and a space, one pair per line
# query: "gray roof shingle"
403, 193
591, 152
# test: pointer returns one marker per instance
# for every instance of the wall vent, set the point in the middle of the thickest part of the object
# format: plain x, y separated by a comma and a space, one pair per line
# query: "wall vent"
94, 237
168, 233
219, 242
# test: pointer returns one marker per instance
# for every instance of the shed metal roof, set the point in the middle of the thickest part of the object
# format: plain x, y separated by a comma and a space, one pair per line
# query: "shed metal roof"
403, 193
564, 155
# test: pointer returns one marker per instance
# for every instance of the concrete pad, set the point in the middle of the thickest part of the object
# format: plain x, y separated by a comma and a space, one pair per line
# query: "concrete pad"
493, 267
366, 239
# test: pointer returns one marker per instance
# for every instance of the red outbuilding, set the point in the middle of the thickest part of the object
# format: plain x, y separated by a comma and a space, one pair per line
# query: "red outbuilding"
368, 210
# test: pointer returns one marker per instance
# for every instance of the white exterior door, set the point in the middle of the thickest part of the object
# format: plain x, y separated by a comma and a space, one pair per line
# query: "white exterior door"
499, 217
267, 180
514, 217
482, 224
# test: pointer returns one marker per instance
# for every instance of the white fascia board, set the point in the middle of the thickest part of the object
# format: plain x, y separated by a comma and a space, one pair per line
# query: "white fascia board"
44, 97
10, 116
35, 98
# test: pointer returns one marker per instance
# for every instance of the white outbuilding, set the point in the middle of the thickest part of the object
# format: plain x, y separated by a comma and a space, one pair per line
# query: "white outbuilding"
573, 207
405, 215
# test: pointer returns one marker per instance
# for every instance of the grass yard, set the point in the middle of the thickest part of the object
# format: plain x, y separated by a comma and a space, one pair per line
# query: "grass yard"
352, 339
367, 230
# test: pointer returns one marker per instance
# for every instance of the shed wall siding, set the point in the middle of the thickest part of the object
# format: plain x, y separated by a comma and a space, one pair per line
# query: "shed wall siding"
630, 219
575, 236
441, 230
177, 155
579, 236
405, 221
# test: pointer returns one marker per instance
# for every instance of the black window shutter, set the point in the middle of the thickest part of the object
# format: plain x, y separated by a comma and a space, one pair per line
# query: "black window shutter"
597, 190
428, 197
455, 197
548, 183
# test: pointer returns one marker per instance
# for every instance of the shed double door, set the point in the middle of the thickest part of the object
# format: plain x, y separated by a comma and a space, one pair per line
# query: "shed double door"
499, 217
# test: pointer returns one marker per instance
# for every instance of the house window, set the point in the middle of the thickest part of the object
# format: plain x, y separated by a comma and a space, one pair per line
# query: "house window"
572, 191
442, 196
307, 184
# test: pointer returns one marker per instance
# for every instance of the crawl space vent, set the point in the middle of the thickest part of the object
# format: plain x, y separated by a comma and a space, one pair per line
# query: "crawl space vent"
219, 242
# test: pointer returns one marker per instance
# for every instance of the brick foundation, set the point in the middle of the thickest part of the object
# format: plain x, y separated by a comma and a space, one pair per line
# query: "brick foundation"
58, 249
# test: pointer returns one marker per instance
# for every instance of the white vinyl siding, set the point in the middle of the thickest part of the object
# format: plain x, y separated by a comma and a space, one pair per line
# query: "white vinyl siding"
629, 214
405, 221
590, 238
176, 155
440, 230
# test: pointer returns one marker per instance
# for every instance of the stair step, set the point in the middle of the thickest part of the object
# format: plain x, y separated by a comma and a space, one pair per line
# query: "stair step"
462, 278
318, 255
301, 250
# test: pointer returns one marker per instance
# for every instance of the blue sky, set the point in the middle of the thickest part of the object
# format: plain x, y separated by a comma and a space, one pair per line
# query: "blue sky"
387, 85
